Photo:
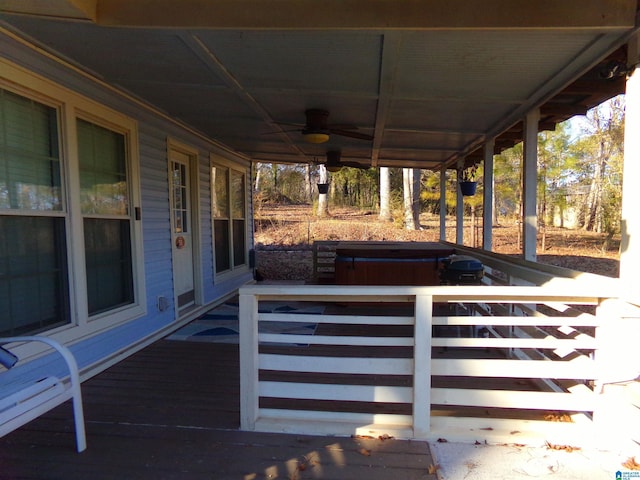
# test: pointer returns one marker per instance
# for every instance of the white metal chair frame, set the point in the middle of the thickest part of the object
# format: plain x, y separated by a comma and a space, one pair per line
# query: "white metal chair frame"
39, 396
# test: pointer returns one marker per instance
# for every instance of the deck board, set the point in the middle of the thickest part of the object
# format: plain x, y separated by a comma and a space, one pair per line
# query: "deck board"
171, 411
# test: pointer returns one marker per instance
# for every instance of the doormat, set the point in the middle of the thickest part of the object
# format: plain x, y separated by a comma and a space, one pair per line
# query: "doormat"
220, 325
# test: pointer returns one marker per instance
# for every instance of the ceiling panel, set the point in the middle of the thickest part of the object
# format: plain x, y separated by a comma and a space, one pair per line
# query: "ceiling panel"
426, 95
306, 61
501, 66
454, 116
121, 55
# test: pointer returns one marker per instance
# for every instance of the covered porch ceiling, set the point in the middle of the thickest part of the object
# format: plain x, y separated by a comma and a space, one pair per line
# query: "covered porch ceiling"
424, 82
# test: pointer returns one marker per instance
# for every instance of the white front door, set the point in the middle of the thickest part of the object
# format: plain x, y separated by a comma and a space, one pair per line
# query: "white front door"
182, 228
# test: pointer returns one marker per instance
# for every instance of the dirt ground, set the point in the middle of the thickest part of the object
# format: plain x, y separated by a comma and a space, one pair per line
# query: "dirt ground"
284, 235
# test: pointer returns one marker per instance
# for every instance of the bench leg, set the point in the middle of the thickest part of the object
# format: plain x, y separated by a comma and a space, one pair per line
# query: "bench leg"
78, 416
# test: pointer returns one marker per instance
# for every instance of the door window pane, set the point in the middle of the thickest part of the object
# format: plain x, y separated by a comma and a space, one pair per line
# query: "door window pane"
180, 198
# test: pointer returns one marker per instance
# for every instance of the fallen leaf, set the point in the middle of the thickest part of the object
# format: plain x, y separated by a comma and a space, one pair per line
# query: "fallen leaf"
362, 436
487, 428
566, 448
433, 469
442, 440
477, 443
384, 437
555, 417
514, 432
365, 452
631, 464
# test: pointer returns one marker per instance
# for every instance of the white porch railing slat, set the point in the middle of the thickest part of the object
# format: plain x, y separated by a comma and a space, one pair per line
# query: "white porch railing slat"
579, 368
514, 399
586, 343
337, 365
348, 417
321, 391
352, 319
336, 340
582, 321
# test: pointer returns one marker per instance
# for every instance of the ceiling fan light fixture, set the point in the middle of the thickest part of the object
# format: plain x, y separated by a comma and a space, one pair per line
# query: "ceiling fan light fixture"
333, 164
315, 137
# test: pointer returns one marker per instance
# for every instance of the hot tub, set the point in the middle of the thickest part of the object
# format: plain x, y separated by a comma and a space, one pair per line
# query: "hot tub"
396, 263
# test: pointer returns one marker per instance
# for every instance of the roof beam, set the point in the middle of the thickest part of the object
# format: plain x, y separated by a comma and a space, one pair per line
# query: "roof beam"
68, 9
369, 14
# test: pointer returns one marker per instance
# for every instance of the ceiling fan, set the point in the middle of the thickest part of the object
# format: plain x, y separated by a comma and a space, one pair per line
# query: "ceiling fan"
317, 129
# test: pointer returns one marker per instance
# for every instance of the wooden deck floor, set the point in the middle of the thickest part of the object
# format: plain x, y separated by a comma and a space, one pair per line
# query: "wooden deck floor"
171, 411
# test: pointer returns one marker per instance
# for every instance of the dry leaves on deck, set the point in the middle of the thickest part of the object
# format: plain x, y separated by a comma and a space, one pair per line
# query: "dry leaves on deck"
558, 417
631, 464
566, 448
433, 469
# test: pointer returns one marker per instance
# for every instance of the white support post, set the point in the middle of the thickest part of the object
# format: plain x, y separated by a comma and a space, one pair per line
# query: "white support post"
459, 207
616, 417
422, 367
529, 186
487, 200
443, 203
248, 319
630, 244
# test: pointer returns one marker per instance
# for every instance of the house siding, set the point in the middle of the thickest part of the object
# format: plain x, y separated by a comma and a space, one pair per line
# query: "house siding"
153, 130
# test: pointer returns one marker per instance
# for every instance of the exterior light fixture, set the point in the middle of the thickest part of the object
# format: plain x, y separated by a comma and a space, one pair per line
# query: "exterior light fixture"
333, 161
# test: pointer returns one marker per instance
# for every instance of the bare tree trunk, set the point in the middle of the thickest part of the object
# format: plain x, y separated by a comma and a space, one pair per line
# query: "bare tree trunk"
385, 195
407, 184
323, 203
307, 184
274, 173
593, 216
415, 193
256, 185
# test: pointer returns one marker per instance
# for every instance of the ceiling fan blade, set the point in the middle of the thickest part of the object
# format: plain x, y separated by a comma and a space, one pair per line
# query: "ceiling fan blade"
356, 165
291, 124
347, 133
282, 131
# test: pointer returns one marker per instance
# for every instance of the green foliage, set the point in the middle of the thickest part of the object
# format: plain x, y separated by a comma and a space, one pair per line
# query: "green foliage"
356, 187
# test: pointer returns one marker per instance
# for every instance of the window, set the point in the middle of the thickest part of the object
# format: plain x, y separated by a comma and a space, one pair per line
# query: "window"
51, 204
228, 194
104, 201
34, 282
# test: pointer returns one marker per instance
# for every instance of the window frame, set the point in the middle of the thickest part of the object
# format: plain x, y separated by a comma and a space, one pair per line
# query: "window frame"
221, 162
71, 106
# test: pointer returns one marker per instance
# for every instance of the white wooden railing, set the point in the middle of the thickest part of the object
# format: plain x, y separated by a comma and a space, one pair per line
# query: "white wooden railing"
373, 367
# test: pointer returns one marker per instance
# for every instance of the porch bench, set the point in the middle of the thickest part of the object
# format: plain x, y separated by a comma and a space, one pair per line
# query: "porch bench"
25, 396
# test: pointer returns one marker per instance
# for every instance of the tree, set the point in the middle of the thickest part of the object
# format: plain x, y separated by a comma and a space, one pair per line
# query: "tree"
323, 204
411, 210
385, 195
602, 157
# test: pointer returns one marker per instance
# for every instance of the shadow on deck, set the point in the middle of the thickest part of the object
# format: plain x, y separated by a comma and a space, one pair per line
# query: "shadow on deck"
171, 411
